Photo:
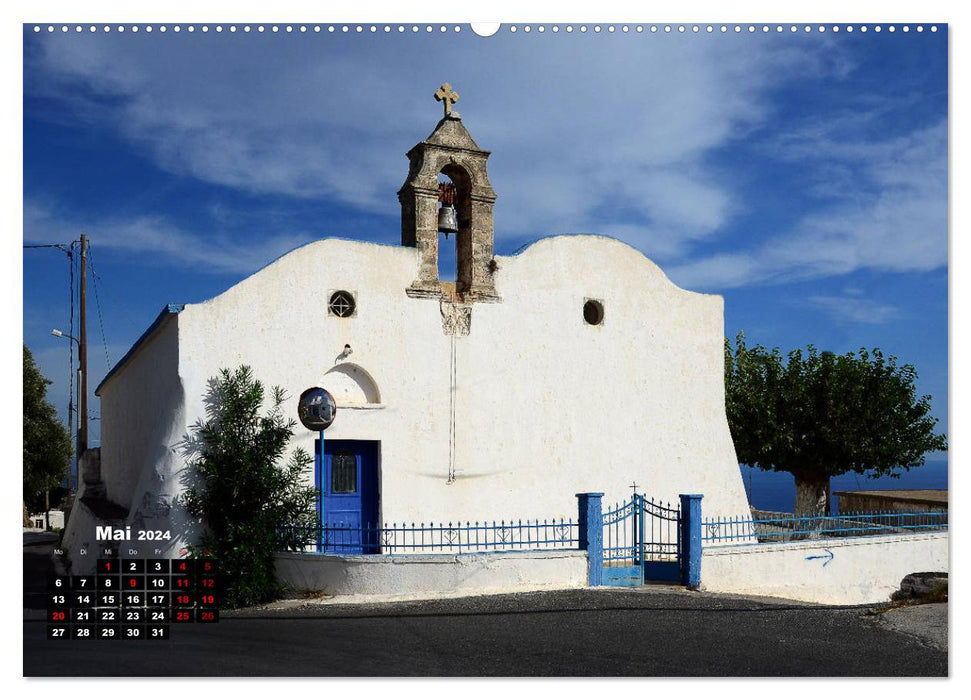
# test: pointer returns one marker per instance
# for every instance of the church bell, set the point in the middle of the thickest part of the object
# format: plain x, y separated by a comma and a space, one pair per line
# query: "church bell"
448, 221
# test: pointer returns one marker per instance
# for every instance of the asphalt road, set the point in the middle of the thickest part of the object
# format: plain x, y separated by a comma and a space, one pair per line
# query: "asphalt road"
591, 632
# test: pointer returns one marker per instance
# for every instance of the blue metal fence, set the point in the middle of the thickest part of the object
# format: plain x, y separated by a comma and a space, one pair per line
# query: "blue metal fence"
785, 527
637, 541
432, 538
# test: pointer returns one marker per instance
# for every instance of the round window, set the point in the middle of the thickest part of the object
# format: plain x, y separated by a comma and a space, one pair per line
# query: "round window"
342, 304
593, 312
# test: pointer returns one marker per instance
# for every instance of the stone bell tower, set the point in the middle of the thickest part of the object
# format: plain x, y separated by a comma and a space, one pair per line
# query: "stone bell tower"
450, 151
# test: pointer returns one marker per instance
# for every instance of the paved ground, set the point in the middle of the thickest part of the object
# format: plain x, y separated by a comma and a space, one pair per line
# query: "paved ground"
928, 623
589, 632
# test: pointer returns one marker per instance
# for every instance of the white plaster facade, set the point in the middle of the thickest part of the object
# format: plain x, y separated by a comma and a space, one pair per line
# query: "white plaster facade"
546, 405
512, 391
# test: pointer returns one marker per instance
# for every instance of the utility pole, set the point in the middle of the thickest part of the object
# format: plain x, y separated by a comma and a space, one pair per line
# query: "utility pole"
83, 352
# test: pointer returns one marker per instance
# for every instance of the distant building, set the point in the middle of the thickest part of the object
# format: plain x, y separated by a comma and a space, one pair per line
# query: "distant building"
38, 521
573, 366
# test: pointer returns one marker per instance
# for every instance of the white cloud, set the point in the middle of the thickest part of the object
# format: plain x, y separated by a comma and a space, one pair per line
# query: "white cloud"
576, 125
588, 134
154, 235
893, 218
854, 309
720, 271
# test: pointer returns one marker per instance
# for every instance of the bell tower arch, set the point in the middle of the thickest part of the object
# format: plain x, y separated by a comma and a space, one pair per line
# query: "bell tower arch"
450, 151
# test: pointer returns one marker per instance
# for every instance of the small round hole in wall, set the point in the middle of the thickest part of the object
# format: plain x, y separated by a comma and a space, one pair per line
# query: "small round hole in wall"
342, 304
593, 312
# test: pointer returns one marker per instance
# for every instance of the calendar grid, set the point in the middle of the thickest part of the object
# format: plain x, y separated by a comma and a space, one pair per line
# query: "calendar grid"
133, 599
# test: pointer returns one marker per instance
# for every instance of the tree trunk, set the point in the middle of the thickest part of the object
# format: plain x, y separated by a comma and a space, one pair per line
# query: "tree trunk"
812, 496
812, 501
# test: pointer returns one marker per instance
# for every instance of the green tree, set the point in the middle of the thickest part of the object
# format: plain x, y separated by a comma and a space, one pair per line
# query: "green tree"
240, 492
818, 415
47, 443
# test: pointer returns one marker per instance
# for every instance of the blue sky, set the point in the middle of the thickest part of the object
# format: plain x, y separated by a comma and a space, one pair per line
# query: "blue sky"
803, 176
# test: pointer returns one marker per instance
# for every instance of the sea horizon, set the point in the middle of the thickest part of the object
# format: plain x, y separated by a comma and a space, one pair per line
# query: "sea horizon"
776, 491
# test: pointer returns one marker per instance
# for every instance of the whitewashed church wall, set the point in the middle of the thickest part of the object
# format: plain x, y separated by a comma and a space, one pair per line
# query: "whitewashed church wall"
546, 405
639, 398
142, 419
276, 322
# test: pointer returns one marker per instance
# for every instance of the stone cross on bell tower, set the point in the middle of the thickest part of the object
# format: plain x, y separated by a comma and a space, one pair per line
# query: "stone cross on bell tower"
452, 152
447, 95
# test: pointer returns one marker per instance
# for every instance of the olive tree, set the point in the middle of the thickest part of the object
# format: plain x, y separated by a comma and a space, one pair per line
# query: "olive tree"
818, 415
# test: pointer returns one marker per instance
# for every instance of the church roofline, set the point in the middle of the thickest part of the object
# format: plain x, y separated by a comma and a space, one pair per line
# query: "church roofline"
281, 256
167, 312
550, 236
528, 245
173, 309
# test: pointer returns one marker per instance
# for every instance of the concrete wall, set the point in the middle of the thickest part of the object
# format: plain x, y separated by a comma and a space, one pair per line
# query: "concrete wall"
861, 569
546, 405
434, 573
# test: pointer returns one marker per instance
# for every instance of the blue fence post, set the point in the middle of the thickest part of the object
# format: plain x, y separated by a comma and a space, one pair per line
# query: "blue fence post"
590, 527
691, 540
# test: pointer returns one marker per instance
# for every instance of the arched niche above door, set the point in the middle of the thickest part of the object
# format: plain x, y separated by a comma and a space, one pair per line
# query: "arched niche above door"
352, 386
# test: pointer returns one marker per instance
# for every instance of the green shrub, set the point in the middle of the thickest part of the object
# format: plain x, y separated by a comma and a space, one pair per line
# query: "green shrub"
240, 491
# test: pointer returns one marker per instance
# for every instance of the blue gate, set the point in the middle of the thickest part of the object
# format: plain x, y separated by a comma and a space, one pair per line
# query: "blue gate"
641, 542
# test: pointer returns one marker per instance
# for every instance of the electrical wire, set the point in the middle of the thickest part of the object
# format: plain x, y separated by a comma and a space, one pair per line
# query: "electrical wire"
59, 246
97, 300
108, 297
67, 249
70, 384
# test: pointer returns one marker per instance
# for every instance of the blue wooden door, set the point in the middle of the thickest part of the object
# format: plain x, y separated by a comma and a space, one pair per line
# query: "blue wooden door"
347, 477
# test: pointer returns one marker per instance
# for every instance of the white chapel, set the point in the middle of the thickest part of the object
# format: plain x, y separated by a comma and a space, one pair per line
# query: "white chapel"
573, 366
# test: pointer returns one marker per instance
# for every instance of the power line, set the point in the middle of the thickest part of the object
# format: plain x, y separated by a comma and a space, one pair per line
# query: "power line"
60, 246
67, 249
97, 300
108, 297
70, 387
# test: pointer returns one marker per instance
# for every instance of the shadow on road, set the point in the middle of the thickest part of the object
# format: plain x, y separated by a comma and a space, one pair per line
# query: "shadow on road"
38, 565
